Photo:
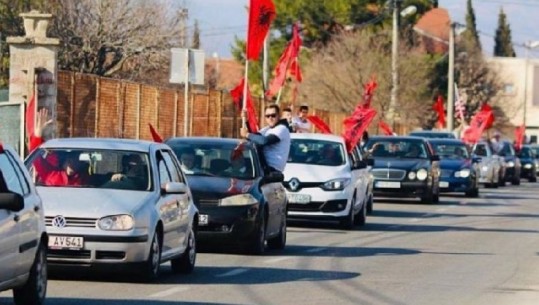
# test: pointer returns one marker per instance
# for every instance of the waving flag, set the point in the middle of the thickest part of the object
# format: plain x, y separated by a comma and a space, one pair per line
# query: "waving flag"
237, 96
488, 110
385, 128
155, 135
355, 125
369, 92
319, 124
261, 15
460, 107
479, 123
520, 132
439, 108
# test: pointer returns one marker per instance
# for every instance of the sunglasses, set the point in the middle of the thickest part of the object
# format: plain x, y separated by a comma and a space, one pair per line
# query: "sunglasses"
271, 115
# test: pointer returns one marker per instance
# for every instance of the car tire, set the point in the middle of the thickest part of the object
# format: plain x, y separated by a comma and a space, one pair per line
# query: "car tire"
361, 217
532, 179
370, 205
279, 242
428, 198
515, 180
186, 262
473, 193
347, 222
257, 245
34, 290
151, 267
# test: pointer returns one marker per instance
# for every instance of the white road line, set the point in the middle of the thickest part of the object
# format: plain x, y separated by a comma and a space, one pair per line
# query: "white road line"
441, 210
233, 272
170, 291
277, 259
316, 250
414, 220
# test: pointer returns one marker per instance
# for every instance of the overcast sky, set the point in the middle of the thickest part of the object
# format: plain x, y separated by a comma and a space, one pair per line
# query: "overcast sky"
221, 20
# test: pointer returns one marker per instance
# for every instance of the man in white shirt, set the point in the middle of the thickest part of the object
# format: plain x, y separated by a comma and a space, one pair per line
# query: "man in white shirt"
301, 123
274, 139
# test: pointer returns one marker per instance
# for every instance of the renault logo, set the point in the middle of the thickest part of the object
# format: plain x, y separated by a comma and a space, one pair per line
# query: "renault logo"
294, 184
59, 222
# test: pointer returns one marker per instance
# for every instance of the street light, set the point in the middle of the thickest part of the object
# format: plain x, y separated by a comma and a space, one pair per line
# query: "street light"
455, 29
410, 10
528, 46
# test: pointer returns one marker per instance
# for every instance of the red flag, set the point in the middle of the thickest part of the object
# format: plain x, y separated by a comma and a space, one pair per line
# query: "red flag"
439, 108
237, 96
479, 123
30, 116
319, 123
155, 135
385, 128
355, 125
490, 120
369, 92
261, 15
295, 71
519, 136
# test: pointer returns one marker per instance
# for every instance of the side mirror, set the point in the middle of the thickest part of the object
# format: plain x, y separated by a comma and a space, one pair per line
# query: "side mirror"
174, 188
11, 202
435, 158
274, 177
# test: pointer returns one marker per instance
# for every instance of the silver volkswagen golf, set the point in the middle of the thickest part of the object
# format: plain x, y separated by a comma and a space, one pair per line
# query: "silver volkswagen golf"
115, 203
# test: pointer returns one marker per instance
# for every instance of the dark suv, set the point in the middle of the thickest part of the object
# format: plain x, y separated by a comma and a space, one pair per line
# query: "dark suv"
23, 241
512, 163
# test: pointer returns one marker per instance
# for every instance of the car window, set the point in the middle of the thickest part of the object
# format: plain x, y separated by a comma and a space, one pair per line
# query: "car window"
398, 148
12, 178
171, 166
451, 151
507, 149
316, 152
480, 150
526, 152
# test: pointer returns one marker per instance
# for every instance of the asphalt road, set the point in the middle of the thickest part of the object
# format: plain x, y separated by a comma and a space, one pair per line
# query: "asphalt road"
460, 251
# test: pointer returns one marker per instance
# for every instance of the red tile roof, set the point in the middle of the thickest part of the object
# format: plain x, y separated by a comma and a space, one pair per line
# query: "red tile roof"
433, 28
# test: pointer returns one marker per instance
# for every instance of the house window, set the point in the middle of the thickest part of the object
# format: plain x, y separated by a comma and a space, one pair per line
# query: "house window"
508, 89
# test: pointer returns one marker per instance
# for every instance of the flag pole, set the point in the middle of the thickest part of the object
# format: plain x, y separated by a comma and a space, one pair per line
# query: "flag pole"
246, 73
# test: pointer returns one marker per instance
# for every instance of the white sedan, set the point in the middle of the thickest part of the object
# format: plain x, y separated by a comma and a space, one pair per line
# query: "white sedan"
127, 204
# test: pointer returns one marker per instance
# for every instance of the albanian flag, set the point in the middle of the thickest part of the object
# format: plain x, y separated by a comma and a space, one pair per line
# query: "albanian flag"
519, 136
479, 123
490, 120
439, 108
385, 128
237, 96
319, 124
261, 15
355, 125
155, 135
369, 92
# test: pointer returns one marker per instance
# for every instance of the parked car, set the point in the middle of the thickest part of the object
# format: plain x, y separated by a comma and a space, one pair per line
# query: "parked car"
405, 167
491, 166
23, 239
513, 166
134, 210
459, 171
238, 203
325, 182
433, 134
528, 160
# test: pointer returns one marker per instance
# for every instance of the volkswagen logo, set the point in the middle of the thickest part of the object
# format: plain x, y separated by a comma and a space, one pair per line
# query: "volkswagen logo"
294, 184
59, 222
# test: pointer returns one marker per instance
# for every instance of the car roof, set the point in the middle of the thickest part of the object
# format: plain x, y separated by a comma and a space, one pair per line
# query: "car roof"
446, 141
397, 138
103, 143
317, 136
202, 140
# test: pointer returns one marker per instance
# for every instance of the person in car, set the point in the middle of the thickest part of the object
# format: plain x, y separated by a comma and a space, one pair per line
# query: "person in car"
329, 156
188, 161
133, 171
414, 152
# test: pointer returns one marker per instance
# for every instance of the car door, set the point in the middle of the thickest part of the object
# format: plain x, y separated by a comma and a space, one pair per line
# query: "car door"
169, 206
362, 176
9, 223
275, 197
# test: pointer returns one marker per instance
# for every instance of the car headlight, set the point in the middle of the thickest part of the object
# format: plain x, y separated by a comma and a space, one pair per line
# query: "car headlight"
528, 166
236, 200
484, 168
412, 175
422, 174
336, 184
116, 223
464, 173
510, 164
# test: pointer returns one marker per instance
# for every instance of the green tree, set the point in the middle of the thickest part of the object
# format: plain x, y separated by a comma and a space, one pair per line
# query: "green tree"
195, 43
503, 46
471, 36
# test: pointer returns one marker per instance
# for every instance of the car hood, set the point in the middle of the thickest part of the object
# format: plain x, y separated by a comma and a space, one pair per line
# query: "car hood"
90, 202
401, 163
315, 173
218, 187
455, 164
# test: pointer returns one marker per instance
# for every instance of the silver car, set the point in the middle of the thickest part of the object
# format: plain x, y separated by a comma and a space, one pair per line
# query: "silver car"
491, 166
23, 240
115, 203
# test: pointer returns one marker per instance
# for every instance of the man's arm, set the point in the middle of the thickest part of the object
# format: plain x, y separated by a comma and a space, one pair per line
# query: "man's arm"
263, 140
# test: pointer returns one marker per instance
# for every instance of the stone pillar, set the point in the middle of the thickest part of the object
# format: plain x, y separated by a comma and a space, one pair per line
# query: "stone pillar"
33, 66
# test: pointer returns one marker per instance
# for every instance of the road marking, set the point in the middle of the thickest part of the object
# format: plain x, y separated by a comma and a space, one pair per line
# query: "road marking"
414, 220
233, 272
316, 250
441, 210
276, 259
170, 291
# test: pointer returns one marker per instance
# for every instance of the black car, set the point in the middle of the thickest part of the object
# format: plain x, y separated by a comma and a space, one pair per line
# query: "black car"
512, 162
528, 162
237, 202
404, 167
459, 171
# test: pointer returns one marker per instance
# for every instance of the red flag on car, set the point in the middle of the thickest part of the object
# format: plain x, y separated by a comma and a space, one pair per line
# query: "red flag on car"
155, 135
520, 131
439, 108
261, 15
30, 116
479, 123
355, 125
369, 92
319, 124
385, 128
237, 96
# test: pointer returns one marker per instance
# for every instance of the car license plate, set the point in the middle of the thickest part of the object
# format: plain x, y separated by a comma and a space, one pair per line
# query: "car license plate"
388, 184
299, 198
203, 220
444, 184
66, 242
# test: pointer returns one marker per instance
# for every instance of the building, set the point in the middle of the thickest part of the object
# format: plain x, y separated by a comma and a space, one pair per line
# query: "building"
520, 91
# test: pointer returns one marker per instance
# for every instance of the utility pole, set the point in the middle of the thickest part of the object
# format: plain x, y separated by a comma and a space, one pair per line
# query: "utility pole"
394, 61
451, 79
184, 16
265, 65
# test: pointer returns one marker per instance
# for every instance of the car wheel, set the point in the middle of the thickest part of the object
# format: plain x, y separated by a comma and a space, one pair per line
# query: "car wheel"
515, 181
257, 245
473, 193
532, 179
34, 290
186, 262
279, 242
347, 222
361, 217
370, 205
428, 198
150, 268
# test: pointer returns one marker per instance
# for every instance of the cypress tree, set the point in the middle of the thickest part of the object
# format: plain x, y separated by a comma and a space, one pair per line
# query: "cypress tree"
470, 35
503, 46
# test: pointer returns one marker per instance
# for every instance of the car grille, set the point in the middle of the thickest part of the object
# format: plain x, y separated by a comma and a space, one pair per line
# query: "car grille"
206, 202
388, 174
302, 185
81, 254
319, 206
73, 222
446, 173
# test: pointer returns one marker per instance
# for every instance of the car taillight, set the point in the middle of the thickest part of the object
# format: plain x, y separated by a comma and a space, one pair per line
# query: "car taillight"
1, 149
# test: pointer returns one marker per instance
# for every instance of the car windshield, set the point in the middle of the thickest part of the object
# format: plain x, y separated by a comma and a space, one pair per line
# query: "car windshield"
216, 159
507, 149
316, 152
480, 150
526, 152
397, 148
451, 151
536, 150
111, 169
433, 135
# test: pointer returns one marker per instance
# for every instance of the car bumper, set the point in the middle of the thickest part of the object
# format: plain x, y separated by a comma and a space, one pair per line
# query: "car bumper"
408, 189
528, 172
450, 185
228, 224
511, 173
324, 205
